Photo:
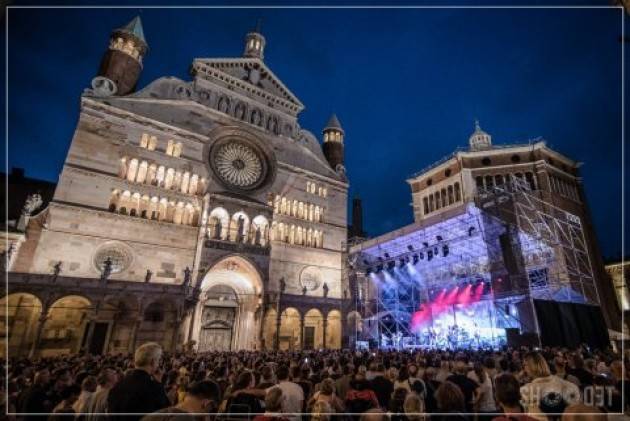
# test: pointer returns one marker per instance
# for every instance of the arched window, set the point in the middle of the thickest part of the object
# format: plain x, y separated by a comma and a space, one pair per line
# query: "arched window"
185, 182
177, 150
152, 143
458, 194
425, 202
168, 180
283, 206
142, 172
438, 201
489, 181
444, 199
192, 188
451, 198
144, 141
169, 147
301, 210
294, 208
292, 235
431, 208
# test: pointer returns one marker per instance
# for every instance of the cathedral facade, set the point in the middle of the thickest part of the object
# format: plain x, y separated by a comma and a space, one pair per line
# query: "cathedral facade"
192, 213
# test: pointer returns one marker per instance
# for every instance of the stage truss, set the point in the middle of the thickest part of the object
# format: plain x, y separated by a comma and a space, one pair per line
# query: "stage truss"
509, 244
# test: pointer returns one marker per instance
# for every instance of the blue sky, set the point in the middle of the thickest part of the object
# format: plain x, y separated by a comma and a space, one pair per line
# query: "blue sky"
406, 84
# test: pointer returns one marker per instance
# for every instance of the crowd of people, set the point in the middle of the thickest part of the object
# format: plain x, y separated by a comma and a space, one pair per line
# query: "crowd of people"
506, 385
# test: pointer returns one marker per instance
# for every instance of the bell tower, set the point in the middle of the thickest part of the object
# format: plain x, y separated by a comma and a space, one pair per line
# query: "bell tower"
121, 65
254, 44
333, 142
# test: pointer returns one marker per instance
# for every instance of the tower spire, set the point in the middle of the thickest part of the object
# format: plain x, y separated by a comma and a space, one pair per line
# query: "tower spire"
255, 43
333, 142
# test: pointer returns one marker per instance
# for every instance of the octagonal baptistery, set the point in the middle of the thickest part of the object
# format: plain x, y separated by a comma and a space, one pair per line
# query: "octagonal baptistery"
184, 181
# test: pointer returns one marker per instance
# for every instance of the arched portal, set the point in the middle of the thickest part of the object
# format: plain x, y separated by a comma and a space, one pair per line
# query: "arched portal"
333, 330
226, 316
290, 329
66, 325
313, 329
18, 326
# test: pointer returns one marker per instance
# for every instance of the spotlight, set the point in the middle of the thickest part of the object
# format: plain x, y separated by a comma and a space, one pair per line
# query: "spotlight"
438, 237
429, 255
415, 259
470, 231
409, 247
445, 250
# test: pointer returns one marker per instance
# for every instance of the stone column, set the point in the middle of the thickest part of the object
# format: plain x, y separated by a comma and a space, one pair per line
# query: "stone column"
134, 335
324, 326
301, 331
276, 345
38, 333
89, 335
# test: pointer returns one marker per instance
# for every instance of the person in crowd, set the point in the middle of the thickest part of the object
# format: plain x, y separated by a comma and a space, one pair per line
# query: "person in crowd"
545, 393
431, 385
321, 411
140, 391
467, 386
97, 404
444, 372
34, 399
343, 383
397, 404
266, 377
451, 403
200, 398
88, 387
243, 399
300, 377
65, 408
414, 407
403, 381
578, 370
273, 406
327, 394
560, 366
293, 393
508, 397
582, 412
382, 386
360, 397
374, 414
484, 395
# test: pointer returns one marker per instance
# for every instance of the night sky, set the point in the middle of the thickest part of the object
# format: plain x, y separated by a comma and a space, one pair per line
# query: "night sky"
406, 85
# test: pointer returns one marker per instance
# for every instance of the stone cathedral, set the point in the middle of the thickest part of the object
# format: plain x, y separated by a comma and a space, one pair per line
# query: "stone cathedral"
192, 213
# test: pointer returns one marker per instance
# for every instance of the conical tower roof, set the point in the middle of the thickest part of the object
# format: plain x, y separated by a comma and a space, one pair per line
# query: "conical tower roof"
333, 124
134, 28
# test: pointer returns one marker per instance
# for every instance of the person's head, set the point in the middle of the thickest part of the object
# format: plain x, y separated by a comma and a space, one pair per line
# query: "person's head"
107, 378
380, 368
403, 374
413, 406
267, 374
63, 378
321, 411
202, 397
42, 377
560, 364
461, 367
244, 381
449, 398
373, 415
507, 391
412, 369
418, 388
535, 365
148, 357
89, 384
282, 373
327, 387
273, 400
489, 363
582, 412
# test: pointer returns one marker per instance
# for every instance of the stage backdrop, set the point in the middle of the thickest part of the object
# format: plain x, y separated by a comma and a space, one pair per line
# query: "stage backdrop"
571, 324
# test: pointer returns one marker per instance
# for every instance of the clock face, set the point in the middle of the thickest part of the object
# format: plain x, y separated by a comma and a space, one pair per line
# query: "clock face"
238, 165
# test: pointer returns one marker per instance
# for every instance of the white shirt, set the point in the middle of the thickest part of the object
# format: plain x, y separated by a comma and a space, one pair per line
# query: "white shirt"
293, 398
486, 403
534, 391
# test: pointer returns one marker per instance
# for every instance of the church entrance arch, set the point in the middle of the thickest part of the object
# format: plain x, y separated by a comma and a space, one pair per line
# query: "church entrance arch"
227, 317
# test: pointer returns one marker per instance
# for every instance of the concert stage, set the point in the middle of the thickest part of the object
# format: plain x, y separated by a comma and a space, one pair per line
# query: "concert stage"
472, 278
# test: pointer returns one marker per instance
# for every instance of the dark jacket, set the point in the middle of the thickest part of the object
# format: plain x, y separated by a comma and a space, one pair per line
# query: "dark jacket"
383, 389
137, 393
